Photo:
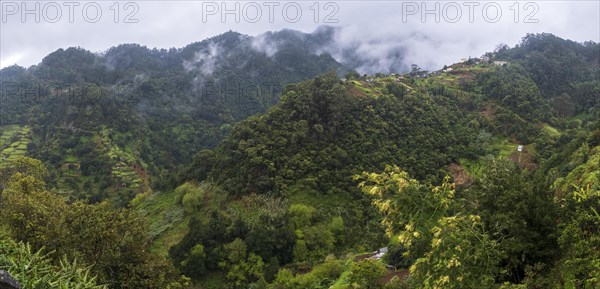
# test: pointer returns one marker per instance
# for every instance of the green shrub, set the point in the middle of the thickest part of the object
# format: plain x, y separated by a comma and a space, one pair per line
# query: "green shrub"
34, 269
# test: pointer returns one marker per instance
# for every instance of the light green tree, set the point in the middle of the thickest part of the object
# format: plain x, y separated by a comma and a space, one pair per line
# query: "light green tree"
367, 274
462, 256
410, 210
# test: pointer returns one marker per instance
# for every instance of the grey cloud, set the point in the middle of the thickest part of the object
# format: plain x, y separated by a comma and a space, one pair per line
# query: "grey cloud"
204, 60
262, 43
371, 35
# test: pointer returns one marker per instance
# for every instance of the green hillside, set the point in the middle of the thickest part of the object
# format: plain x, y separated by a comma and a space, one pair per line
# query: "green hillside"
481, 175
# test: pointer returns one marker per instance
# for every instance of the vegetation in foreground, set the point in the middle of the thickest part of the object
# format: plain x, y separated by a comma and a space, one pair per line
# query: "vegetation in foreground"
483, 176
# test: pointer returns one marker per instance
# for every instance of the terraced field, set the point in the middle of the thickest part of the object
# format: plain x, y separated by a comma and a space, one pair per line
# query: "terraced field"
13, 142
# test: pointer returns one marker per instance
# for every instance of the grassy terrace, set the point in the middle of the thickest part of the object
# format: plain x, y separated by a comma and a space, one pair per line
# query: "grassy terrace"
13, 142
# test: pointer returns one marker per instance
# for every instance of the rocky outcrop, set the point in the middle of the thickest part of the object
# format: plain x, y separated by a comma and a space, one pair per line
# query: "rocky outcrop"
7, 281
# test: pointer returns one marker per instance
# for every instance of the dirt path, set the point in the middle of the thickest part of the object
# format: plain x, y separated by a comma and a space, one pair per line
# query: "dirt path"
523, 158
460, 175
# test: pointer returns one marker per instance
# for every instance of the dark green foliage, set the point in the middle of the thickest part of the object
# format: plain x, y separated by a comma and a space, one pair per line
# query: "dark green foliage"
113, 243
315, 131
520, 214
556, 64
74, 65
316, 139
580, 239
396, 89
271, 240
586, 96
270, 198
395, 256
511, 86
132, 116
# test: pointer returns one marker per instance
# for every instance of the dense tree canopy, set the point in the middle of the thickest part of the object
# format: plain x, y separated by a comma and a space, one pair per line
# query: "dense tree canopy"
202, 167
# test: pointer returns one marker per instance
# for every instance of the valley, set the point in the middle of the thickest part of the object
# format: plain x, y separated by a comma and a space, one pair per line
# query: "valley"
219, 165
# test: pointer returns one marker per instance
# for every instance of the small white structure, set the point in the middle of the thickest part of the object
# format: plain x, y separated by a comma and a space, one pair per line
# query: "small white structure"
500, 63
520, 148
377, 255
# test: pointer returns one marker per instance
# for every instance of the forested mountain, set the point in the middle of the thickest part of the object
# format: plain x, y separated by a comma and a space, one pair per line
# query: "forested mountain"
482, 175
132, 114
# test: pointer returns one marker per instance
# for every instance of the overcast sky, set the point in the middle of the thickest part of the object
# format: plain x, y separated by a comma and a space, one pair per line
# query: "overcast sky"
461, 29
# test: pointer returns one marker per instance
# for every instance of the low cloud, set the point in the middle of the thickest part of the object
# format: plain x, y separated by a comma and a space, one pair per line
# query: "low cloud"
262, 43
205, 60
372, 36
